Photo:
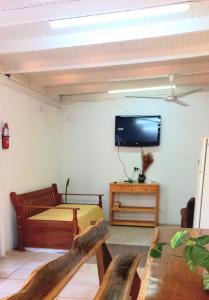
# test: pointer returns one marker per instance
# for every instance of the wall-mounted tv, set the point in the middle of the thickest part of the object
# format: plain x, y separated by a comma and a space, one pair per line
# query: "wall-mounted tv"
137, 131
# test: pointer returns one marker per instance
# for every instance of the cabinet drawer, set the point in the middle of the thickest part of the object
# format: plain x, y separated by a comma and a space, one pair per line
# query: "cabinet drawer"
143, 189
121, 188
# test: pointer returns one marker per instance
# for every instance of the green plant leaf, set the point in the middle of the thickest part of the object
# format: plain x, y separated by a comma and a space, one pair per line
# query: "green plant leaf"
187, 253
202, 240
205, 263
157, 251
196, 255
205, 281
199, 255
178, 238
188, 258
191, 242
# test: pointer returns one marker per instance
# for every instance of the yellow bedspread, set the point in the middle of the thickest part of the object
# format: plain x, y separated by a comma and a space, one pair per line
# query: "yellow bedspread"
87, 214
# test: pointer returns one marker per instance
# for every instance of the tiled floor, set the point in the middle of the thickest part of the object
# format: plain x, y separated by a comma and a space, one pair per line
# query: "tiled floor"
126, 235
16, 266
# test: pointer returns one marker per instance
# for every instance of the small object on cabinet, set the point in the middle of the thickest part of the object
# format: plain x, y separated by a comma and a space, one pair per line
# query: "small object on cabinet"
146, 160
117, 204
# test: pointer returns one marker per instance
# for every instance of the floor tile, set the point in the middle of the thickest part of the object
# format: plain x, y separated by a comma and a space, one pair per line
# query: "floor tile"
130, 235
11, 262
15, 259
89, 268
34, 264
85, 278
7, 271
16, 266
10, 286
23, 272
79, 291
47, 256
21, 254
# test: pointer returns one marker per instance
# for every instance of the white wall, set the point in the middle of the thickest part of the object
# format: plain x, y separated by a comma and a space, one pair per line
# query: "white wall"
34, 158
91, 161
90, 158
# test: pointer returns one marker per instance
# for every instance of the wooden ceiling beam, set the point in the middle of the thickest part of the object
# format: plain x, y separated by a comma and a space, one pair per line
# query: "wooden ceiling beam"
162, 49
96, 88
66, 9
106, 36
119, 73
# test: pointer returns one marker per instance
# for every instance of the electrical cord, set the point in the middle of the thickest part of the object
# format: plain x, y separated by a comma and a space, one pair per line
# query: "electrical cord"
122, 163
125, 172
122, 107
133, 175
141, 150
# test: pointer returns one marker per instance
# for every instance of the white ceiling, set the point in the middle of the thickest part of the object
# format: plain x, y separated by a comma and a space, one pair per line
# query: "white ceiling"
90, 60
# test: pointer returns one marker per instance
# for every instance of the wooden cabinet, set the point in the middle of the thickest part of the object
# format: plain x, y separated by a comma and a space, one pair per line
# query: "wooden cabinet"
134, 188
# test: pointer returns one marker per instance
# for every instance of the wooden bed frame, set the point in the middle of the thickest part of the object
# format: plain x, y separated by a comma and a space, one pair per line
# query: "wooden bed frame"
41, 233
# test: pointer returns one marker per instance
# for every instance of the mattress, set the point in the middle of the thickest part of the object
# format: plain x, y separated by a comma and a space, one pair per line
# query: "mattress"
87, 214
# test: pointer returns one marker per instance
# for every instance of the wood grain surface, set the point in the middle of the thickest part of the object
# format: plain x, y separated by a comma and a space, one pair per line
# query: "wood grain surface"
46, 282
119, 278
169, 277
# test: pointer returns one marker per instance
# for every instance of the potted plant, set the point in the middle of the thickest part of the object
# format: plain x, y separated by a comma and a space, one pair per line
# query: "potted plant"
195, 253
146, 161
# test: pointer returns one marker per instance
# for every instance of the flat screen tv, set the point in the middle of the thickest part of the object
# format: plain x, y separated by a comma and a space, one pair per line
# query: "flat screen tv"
137, 131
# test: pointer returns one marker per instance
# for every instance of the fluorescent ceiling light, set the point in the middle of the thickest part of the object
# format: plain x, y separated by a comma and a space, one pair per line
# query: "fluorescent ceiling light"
120, 16
154, 88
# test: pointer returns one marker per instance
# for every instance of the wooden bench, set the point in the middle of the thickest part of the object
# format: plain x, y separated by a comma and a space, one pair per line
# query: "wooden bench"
118, 281
45, 233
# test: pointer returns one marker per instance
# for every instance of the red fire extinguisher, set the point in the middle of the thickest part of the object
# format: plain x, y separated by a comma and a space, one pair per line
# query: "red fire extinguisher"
5, 136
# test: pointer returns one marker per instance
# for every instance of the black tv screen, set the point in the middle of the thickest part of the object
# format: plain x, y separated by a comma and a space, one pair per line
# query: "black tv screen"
137, 131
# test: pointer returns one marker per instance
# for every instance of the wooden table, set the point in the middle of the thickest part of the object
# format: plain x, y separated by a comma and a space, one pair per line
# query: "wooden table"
134, 188
169, 278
